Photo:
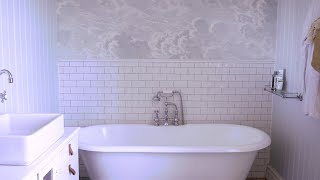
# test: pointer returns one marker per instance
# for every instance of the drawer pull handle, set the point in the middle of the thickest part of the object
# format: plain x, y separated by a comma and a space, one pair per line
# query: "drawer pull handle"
70, 150
71, 170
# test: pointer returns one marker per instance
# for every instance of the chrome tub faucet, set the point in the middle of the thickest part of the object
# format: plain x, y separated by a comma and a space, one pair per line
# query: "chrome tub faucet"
168, 94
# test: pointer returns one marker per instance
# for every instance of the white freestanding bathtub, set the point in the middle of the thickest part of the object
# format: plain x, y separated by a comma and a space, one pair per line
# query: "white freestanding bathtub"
187, 152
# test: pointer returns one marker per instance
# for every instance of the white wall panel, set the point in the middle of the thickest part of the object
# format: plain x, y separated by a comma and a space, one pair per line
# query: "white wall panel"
295, 138
27, 49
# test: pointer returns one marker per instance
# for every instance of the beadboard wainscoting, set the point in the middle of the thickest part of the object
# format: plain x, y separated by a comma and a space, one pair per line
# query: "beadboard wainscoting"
295, 136
27, 49
102, 92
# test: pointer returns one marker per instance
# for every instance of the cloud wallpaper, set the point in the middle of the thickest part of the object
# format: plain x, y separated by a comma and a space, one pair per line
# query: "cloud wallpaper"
167, 29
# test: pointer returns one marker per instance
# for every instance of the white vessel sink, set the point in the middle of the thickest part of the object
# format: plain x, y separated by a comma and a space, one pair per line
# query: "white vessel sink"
24, 137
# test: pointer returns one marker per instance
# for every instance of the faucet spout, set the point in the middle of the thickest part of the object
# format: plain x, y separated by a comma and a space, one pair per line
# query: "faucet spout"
10, 78
176, 114
171, 104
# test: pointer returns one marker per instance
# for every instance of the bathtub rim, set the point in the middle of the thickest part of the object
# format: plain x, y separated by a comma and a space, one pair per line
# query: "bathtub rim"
264, 143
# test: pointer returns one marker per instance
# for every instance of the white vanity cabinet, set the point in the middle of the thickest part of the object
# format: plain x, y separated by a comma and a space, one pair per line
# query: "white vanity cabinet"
59, 162
64, 165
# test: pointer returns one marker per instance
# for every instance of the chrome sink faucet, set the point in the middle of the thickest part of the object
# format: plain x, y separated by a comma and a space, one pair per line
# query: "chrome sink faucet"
10, 80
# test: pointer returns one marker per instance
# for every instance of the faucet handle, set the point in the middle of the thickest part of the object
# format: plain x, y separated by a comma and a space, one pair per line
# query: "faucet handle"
166, 123
156, 113
176, 122
156, 117
3, 96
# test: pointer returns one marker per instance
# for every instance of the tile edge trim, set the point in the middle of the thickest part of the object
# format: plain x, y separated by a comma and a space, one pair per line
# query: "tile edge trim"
171, 60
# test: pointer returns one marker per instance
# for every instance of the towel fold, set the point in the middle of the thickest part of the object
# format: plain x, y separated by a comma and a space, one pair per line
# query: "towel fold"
312, 32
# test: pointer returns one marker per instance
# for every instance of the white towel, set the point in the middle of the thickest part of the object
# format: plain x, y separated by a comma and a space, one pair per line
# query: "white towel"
312, 77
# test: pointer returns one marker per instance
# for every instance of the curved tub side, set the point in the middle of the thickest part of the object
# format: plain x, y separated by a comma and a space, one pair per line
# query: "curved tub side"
169, 166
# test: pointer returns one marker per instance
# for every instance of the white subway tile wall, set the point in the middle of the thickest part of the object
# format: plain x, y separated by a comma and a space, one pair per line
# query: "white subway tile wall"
102, 92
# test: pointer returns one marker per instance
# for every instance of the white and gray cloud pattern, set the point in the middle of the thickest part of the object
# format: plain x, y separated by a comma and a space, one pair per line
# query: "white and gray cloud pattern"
166, 29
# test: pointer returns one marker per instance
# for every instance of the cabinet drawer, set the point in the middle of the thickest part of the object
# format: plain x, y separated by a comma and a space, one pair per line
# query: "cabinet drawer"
70, 151
68, 157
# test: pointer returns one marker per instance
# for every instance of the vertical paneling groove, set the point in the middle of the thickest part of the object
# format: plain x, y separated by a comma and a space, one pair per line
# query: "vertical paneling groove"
1, 44
27, 48
28, 53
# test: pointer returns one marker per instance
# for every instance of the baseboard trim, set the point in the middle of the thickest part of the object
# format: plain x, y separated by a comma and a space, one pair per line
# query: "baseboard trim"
272, 174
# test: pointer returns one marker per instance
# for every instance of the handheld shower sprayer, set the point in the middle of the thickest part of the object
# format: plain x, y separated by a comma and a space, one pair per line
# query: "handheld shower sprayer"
165, 93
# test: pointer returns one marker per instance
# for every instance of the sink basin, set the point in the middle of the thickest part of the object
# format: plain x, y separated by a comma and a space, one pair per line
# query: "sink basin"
24, 137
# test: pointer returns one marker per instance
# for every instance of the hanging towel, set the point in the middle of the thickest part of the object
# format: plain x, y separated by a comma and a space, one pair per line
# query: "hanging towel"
315, 63
311, 76
312, 87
